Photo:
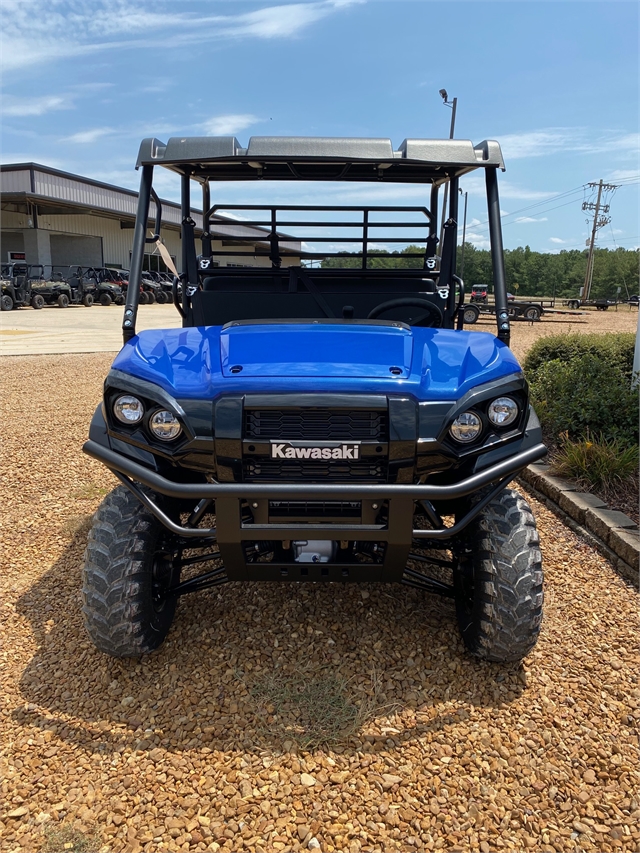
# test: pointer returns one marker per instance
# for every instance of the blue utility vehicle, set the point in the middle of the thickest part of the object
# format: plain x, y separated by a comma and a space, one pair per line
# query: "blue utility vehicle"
331, 423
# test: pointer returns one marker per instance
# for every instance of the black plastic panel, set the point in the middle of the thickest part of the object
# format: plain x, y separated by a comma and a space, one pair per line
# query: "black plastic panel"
320, 424
266, 470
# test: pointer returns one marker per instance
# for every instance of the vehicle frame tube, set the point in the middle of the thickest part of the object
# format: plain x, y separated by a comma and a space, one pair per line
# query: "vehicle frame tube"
497, 256
137, 255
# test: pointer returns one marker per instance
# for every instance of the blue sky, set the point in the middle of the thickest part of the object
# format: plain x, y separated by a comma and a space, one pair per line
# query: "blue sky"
555, 83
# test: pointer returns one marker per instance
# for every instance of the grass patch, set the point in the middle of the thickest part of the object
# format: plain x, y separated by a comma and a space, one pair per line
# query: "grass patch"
90, 492
67, 839
312, 708
597, 462
76, 525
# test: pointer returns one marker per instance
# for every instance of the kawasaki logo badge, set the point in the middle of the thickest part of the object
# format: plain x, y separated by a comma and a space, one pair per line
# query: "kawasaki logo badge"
287, 451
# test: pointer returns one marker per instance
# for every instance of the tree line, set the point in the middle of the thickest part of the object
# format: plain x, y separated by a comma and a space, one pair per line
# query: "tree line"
528, 273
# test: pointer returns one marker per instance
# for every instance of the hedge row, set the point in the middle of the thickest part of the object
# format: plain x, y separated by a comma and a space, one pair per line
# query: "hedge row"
612, 348
581, 386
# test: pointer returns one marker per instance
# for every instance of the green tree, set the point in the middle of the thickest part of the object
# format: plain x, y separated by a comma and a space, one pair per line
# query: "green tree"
537, 273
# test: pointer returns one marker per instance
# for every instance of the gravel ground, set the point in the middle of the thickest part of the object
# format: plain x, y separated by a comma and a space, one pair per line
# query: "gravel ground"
217, 742
524, 334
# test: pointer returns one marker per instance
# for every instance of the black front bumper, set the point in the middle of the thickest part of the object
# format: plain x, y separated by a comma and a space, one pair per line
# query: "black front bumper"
232, 531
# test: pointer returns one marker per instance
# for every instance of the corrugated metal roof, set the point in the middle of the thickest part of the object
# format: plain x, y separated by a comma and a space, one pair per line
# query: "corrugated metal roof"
69, 189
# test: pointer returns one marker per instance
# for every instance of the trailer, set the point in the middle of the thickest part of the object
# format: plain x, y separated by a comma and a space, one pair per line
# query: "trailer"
601, 304
528, 310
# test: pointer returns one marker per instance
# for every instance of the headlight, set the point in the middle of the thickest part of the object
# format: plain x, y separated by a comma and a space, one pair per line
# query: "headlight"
165, 425
466, 427
503, 411
128, 409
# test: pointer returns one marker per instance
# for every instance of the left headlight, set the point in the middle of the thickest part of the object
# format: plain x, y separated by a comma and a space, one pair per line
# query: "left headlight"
165, 425
503, 411
466, 427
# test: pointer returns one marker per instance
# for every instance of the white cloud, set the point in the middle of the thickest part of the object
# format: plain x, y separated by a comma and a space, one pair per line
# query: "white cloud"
15, 106
563, 140
229, 125
623, 175
87, 136
530, 219
33, 157
556, 240
480, 241
474, 184
117, 24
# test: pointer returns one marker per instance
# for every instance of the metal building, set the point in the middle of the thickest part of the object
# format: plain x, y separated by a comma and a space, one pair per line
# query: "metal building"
58, 218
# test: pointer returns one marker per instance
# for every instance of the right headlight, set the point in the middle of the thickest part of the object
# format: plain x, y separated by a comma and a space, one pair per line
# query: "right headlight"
128, 409
466, 427
165, 425
503, 411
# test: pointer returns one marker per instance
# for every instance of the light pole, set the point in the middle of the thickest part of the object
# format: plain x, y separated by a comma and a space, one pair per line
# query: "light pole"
464, 232
453, 104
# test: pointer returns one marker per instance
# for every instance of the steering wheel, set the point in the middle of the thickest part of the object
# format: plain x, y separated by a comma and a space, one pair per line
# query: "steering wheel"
434, 313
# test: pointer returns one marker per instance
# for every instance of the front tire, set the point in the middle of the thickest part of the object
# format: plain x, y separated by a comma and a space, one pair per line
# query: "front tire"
7, 302
87, 300
37, 301
126, 568
105, 299
499, 581
63, 301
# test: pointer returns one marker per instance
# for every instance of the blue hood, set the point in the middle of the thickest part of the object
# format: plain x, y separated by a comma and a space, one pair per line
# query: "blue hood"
427, 364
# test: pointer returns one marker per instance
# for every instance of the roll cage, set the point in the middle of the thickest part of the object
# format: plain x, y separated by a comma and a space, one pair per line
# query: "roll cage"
318, 293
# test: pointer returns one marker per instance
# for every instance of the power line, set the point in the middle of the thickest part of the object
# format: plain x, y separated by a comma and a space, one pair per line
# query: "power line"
631, 180
483, 225
602, 242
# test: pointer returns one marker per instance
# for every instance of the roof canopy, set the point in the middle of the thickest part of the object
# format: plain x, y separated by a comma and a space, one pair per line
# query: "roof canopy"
312, 158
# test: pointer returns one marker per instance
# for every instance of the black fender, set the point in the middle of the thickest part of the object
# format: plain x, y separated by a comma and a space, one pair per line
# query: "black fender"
531, 437
98, 432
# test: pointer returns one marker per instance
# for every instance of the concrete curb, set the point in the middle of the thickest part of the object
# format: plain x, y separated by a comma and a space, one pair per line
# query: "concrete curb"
612, 533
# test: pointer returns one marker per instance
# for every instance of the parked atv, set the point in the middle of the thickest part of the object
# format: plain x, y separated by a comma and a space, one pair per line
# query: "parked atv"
16, 287
143, 296
71, 287
48, 287
108, 287
164, 291
150, 286
317, 424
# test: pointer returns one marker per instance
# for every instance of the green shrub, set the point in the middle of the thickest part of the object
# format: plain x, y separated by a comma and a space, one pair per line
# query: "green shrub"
614, 349
585, 395
598, 463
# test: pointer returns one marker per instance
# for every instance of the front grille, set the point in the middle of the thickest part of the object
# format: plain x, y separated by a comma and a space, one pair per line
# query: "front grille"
334, 471
315, 509
318, 424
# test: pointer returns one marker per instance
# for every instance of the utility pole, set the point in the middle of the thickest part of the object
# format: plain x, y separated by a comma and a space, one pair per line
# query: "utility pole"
598, 222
